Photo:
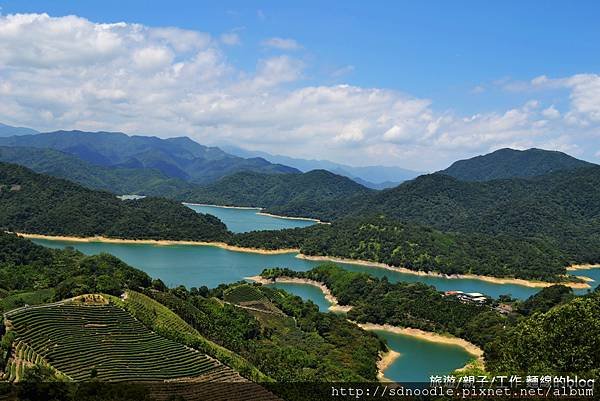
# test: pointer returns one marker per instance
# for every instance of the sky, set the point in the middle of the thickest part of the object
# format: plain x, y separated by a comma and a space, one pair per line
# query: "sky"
410, 84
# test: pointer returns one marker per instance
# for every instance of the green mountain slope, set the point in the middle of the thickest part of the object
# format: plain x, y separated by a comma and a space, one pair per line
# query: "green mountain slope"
511, 163
175, 157
420, 248
117, 180
36, 203
301, 195
562, 207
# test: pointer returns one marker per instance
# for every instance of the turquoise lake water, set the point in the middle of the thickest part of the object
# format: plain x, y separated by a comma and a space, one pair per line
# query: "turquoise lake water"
420, 359
305, 291
194, 266
244, 220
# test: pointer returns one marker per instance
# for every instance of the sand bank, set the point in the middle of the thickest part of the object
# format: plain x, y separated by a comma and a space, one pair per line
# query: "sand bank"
157, 243
334, 307
489, 279
385, 361
583, 267
292, 218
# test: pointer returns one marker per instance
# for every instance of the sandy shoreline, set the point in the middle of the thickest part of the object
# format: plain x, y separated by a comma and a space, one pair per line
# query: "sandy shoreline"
291, 218
489, 279
157, 243
385, 361
334, 307
583, 267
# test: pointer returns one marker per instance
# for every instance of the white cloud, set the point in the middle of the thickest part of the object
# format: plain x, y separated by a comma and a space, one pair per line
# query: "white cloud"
151, 58
281, 44
231, 39
71, 73
584, 95
551, 113
275, 71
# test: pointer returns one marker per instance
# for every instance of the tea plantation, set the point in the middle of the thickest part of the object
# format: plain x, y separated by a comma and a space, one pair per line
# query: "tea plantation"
104, 341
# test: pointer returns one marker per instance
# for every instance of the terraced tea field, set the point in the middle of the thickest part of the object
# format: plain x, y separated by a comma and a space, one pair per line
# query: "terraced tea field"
255, 302
75, 339
248, 296
243, 293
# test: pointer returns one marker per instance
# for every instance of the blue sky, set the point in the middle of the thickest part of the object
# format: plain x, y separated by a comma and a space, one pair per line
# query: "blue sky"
464, 58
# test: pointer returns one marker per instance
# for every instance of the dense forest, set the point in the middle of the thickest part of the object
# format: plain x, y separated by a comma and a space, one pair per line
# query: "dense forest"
562, 208
40, 204
563, 340
511, 163
418, 247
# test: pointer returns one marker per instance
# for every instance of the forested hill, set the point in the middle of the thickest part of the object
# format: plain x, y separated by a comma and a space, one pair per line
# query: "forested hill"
303, 195
419, 248
175, 157
118, 180
511, 163
37, 203
562, 207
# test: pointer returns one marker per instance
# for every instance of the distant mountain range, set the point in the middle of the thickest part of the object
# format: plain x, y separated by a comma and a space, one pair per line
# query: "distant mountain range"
7, 130
375, 177
118, 180
185, 159
511, 163
174, 157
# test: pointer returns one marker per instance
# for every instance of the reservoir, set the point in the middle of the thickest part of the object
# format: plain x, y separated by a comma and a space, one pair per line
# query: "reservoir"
241, 220
195, 266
